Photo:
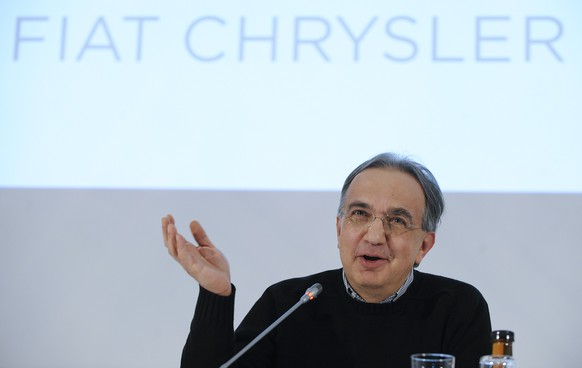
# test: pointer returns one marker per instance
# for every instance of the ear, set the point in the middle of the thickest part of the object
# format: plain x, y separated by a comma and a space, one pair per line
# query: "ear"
338, 227
426, 245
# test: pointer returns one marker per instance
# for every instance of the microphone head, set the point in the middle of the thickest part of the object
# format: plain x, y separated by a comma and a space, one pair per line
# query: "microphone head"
312, 292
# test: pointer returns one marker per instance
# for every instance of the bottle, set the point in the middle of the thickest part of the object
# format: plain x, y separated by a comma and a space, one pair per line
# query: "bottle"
502, 342
501, 351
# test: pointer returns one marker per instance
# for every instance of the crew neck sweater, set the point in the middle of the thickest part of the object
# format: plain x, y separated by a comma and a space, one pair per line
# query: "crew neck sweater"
436, 314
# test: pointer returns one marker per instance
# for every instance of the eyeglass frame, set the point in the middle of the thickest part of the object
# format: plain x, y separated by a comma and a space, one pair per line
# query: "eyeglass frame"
386, 225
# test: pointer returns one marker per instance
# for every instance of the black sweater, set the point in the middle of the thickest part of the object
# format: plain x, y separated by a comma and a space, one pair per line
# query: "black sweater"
436, 314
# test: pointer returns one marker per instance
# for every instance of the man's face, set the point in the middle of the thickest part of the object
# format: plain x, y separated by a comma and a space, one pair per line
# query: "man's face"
377, 264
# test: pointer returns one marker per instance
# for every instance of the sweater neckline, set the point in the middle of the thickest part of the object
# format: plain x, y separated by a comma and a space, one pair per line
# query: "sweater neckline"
396, 307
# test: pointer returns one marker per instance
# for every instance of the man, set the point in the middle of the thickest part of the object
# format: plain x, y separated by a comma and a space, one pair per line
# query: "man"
374, 312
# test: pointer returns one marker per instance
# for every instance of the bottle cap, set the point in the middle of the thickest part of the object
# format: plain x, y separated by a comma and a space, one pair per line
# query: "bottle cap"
502, 335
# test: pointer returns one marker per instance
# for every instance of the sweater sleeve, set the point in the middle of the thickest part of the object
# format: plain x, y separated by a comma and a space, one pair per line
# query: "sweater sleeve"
260, 316
211, 339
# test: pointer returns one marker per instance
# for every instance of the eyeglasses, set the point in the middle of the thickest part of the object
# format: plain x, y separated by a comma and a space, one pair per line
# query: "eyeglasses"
394, 225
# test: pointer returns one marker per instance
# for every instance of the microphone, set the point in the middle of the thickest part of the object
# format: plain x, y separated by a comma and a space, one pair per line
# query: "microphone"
310, 294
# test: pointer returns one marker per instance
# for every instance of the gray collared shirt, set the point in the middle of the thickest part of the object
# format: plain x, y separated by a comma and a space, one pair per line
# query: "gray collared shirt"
351, 292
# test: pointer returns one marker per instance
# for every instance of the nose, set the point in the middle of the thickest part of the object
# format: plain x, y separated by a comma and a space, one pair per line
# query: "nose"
375, 233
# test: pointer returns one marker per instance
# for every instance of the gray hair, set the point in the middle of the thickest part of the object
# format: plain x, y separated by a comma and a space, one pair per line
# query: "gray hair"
434, 205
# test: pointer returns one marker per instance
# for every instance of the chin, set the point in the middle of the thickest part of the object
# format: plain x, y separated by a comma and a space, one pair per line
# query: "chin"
371, 279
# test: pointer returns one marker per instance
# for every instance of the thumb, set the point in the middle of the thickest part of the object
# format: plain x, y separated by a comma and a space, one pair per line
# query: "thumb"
200, 235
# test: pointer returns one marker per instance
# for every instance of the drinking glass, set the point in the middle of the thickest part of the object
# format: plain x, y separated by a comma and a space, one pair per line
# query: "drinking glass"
432, 360
496, 361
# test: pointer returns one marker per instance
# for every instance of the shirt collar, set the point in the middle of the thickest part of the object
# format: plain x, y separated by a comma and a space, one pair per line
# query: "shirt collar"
392, 298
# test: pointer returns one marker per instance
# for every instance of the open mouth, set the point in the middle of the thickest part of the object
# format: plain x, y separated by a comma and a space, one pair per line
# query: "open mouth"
370, 258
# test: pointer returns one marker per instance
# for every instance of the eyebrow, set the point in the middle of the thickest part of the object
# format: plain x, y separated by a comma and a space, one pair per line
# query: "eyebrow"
398, 211
359, 204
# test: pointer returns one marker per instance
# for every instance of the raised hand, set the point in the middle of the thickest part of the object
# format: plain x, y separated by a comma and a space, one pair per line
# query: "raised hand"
204, 262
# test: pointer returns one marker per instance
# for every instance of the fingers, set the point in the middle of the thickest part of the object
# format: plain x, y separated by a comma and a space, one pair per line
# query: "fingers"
169, 233
185, 252
190, 257
178, 246
165, 223
200, 235
167, 220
